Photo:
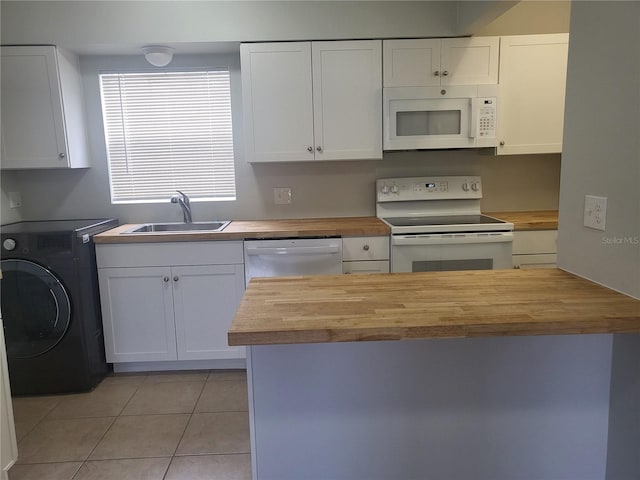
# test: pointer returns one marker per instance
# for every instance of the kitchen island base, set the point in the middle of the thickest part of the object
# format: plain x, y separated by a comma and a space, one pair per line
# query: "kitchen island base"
531, 407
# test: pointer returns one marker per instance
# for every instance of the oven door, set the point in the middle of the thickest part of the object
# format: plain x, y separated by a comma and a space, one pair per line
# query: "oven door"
451, 251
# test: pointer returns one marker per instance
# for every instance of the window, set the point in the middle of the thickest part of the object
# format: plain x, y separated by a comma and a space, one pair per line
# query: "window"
168, 131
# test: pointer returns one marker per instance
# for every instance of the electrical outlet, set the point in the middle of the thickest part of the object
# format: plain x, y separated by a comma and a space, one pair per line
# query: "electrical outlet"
282, 196
15, 200
595, 212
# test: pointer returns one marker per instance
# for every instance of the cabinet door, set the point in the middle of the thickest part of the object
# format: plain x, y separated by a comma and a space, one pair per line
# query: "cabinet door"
137, 314
205, 300
533, 70
469, 61
411, 63
277, 99
33, 134
347, 100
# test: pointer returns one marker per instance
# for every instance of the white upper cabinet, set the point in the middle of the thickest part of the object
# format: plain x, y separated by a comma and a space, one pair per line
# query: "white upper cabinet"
439, 62
533, 71
347, 100
42, 109
277, 100
307, 101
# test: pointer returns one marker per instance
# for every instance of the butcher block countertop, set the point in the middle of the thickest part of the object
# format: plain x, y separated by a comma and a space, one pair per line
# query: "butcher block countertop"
529, 220
400, 306
241, 229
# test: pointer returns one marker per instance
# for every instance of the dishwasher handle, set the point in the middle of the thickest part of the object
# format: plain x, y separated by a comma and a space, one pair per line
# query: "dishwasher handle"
324, 250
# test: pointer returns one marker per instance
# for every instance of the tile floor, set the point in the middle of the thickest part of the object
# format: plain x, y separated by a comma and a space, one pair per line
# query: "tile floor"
156, 426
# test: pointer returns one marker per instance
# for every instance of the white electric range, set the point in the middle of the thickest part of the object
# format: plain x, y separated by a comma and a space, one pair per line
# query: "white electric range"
436, 225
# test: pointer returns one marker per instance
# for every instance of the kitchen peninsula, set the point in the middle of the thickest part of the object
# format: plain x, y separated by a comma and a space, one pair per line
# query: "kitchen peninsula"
333, 395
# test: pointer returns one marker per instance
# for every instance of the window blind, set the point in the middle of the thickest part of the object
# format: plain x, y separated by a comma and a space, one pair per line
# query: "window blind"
168, 131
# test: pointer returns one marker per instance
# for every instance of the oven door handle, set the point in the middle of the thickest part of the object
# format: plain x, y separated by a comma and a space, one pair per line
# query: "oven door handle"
452, 238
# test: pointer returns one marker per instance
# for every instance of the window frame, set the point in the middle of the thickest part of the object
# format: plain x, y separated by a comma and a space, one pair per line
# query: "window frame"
162, 70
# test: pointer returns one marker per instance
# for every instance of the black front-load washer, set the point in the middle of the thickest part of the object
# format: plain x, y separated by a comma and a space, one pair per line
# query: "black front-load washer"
50, 305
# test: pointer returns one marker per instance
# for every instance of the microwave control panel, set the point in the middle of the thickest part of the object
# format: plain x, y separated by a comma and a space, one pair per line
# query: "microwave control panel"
487, 118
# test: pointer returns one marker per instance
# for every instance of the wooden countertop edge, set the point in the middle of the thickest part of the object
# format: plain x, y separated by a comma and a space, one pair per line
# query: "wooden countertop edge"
424, 332
529, 220
255, 229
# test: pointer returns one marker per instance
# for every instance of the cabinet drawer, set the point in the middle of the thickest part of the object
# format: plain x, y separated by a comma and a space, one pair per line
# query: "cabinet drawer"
366, 266
365, 248
542, 260
537, 241
161, 254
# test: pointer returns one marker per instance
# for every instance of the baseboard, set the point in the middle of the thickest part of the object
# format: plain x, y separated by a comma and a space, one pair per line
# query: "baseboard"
225, 364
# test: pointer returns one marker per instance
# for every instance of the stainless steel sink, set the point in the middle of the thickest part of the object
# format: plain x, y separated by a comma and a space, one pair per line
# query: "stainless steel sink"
179, 227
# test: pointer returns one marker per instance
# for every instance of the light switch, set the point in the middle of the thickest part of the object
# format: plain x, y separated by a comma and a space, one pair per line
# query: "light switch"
595, 212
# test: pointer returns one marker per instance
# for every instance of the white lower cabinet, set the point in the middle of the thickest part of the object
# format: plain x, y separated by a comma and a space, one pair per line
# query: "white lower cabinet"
161, 307
137, 314
535, 249
205, 299
365, 255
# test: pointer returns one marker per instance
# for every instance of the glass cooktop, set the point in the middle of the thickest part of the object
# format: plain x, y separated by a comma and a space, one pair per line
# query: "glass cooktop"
442, 220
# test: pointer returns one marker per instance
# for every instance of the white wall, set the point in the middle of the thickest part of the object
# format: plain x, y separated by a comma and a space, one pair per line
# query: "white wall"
8, 214
602, 144
530, 17
84, 23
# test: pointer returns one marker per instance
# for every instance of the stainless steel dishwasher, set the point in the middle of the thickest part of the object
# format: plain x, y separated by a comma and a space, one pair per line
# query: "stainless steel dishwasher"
291, 257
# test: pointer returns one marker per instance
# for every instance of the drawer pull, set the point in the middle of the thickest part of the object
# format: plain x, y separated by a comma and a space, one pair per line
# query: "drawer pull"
365, 248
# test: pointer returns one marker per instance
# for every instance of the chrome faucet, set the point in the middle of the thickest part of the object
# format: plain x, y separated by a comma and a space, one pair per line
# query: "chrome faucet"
183, 200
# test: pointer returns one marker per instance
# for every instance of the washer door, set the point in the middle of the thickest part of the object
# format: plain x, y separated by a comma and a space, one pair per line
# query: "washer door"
35, 308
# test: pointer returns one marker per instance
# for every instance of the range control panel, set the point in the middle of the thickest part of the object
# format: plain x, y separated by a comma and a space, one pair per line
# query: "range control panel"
428, 188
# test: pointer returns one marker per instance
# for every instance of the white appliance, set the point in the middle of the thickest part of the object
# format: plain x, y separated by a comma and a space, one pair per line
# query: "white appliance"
292, 257
436, 225
440, 117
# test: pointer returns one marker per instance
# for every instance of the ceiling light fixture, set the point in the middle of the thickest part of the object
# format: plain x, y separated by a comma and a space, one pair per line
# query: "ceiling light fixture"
158, 55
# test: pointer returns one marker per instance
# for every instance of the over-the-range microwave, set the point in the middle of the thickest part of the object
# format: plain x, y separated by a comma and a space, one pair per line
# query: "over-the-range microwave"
440, 117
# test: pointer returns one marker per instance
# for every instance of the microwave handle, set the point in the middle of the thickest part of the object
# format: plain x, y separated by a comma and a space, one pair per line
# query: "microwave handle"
472, 118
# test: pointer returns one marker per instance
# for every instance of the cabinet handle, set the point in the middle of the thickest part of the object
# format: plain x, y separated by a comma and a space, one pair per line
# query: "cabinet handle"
437, 73
62, 155
445, 73
309, 149
166, 279
502, 143
365, 248
319, 148
176, 278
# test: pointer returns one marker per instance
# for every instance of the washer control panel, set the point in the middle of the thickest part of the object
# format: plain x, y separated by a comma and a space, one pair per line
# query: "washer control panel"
428, 188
